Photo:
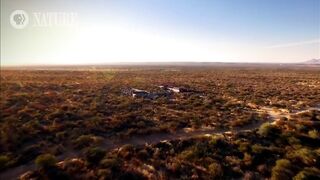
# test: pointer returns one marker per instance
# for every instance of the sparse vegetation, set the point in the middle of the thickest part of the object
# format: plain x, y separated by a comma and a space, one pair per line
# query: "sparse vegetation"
4, 160
282, 170
45, 160
46, 115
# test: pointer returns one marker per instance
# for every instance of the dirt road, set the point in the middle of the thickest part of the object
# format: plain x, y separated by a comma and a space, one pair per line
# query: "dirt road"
273, 114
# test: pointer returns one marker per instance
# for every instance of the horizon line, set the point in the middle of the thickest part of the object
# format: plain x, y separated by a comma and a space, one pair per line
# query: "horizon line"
151, 63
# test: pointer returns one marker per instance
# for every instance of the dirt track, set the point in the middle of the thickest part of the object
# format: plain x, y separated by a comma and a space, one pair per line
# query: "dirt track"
138, 140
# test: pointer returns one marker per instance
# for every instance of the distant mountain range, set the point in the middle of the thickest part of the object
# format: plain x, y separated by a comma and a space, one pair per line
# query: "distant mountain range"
312, 61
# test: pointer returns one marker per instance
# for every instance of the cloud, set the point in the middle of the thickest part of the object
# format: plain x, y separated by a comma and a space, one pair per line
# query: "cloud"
293, 44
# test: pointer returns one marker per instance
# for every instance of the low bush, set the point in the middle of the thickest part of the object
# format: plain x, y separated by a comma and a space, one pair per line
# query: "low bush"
45, 161
4, 160
110, 162
267, 130
94, 155
308, 173
314, 134
303, 155
282, 170
215, 170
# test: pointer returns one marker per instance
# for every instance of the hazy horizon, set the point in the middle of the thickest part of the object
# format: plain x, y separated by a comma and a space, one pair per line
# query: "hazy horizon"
111, 32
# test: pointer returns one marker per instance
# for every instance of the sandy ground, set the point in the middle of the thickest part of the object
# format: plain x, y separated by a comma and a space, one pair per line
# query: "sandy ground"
139, 140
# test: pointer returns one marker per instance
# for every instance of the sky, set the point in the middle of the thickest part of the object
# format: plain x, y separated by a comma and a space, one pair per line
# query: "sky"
112, 31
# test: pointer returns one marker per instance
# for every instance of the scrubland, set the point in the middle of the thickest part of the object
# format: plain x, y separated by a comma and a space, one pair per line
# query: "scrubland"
67, 124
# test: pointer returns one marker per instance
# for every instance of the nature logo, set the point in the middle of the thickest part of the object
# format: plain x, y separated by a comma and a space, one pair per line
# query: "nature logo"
19, 19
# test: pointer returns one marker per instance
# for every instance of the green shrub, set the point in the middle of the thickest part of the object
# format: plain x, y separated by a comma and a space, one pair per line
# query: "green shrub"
308, 173
143, 154
110, 163
188, 154
84, 141
45, 160
218, 141
244, 146
60, 135
258, 149
126, 151
4, 160
215, 170
94, 155
314, 134
267, 129
304, 155
282, 170
293, 140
